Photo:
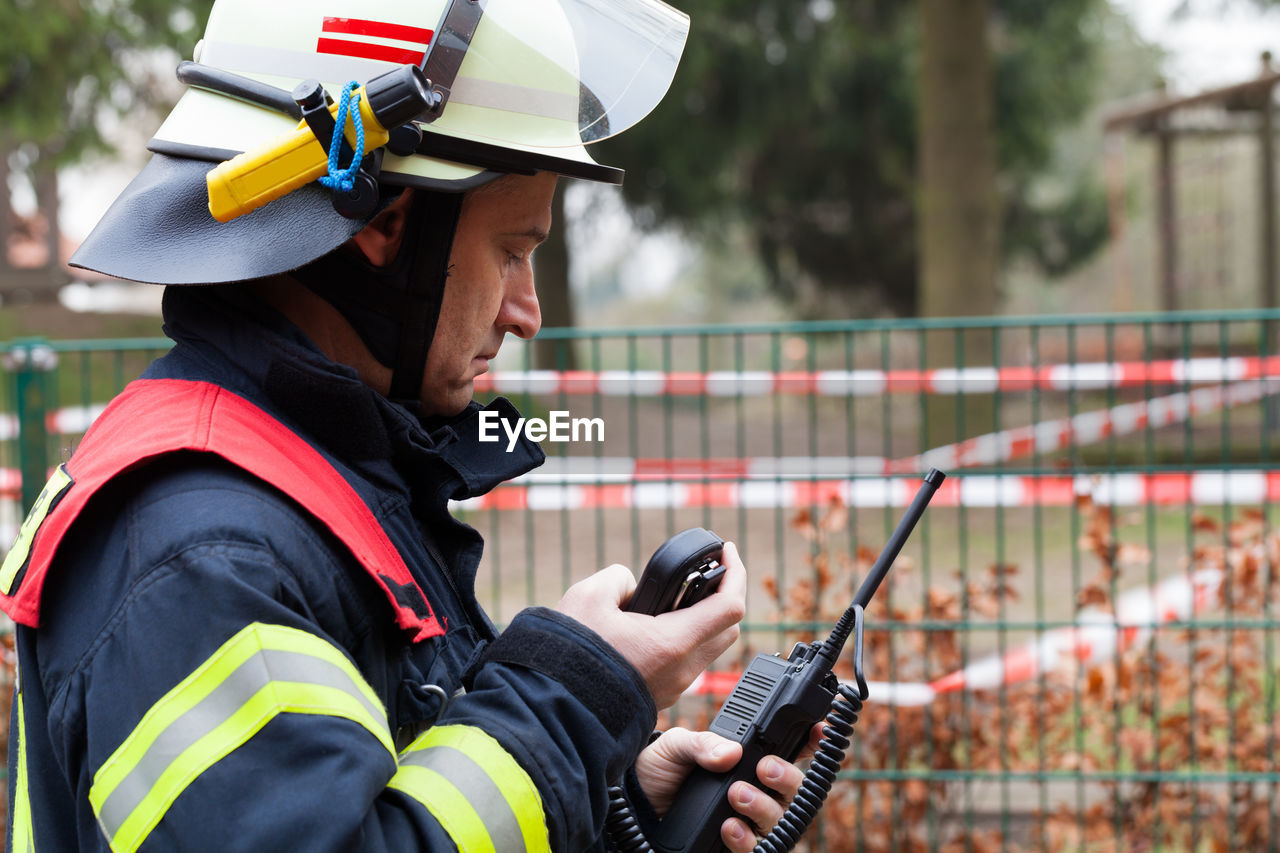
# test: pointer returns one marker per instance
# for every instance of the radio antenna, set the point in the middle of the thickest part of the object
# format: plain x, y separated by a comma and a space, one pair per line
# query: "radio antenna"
834, 643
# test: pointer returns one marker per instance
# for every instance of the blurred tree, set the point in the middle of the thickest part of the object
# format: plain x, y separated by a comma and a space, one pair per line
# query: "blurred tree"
551, 265
958, 205
68, 68
798, 121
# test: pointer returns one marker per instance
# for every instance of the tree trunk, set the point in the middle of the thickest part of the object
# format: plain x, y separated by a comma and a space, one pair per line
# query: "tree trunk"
46, 175
552, 261
958, 204
6, 207
42, 285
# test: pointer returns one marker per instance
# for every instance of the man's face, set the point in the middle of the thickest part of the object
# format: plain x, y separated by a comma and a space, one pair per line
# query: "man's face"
489, 291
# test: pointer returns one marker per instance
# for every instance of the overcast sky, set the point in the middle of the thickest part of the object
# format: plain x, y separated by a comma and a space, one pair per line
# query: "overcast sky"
1216, 43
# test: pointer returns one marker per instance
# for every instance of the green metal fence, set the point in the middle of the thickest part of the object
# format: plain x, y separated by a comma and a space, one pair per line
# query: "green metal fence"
1077, 649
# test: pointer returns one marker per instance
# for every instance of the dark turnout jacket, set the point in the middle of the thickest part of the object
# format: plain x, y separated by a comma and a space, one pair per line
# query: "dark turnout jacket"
205, 664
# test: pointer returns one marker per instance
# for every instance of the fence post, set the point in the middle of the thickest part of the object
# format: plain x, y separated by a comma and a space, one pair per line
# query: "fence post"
1267, 182
29, 362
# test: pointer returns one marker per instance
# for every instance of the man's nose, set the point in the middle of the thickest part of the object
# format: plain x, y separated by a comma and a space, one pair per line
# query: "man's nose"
520, 314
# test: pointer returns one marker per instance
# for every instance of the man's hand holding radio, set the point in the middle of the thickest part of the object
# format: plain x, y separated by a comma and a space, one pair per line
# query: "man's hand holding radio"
671, 649
664, 765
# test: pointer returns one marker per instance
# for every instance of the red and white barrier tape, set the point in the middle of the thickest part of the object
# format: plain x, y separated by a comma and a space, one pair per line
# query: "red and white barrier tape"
873, 383
1096, 637
72, 420
993, 448
974, 490
1085, 428
69, 420
587, 482
626, 469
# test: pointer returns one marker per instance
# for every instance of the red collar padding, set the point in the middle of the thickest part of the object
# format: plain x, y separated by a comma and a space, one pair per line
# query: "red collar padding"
200, 416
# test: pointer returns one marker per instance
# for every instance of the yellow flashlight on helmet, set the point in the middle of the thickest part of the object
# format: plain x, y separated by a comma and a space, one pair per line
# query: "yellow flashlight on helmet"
250, 180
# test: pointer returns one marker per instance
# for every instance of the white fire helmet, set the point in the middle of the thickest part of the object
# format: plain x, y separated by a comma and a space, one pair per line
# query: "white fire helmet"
524, 85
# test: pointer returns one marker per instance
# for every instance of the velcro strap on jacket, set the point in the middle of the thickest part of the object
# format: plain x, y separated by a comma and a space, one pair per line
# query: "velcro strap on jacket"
154, 417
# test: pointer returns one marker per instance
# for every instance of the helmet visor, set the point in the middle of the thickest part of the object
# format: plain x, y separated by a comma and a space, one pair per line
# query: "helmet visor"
588, 69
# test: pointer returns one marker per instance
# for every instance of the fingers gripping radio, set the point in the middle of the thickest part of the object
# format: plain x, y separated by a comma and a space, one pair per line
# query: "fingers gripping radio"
770, 711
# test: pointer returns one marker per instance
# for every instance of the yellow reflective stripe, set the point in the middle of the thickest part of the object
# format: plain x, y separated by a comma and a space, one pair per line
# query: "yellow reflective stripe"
261, 672
17, 556
24, 836
447, 805
494, 784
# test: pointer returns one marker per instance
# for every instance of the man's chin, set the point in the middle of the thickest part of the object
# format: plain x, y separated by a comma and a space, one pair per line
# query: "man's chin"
448, 403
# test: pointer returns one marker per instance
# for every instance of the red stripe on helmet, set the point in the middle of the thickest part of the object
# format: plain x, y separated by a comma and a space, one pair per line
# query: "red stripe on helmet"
383, 53
380, 29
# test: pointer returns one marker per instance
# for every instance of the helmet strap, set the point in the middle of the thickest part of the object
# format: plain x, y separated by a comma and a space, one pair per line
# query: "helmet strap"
395, 308
435, 215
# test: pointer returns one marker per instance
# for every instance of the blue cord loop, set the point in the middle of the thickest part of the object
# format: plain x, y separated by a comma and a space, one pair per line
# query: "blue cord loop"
344, 179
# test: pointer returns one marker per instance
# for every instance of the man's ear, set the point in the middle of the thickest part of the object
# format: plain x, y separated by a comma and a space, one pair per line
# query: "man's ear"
379, 241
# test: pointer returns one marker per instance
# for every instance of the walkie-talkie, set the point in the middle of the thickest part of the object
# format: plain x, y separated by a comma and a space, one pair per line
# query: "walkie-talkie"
683, 571
770, 711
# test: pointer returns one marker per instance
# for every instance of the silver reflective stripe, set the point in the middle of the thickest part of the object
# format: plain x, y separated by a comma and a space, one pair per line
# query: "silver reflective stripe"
478, 789
514, 99
473, 91
23, 831
256, 59
266, 666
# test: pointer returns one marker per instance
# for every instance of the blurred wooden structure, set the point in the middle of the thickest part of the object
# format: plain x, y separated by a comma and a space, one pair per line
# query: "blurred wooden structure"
1237, 110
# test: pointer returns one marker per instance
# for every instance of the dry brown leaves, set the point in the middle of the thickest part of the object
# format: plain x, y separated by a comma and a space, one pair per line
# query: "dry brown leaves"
1186, 700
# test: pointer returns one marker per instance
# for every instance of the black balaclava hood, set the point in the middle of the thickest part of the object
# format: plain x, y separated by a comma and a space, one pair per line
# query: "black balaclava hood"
395, 308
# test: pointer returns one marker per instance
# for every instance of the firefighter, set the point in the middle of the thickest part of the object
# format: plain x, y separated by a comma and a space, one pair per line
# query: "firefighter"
245, 616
